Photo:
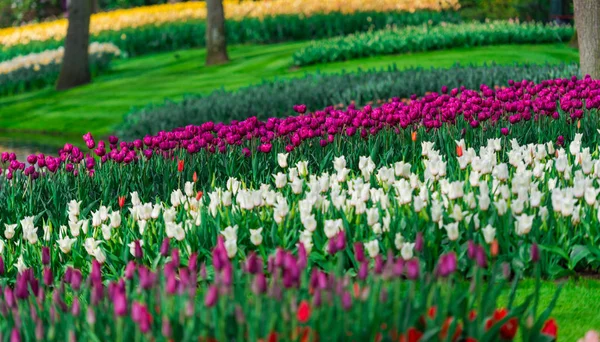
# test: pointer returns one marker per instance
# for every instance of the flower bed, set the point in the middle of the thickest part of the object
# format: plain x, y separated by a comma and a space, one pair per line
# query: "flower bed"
225, 300
502, 197
277, 98
424, 38
38, 70
399, 222
176, 26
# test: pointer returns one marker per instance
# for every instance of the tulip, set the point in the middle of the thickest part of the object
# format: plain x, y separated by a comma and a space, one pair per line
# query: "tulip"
304, 312
45, 255
212, 295
550, 329
164, 247
412, 269
535, 253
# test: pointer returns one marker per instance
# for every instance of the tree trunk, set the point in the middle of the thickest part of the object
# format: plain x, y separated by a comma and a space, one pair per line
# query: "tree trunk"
75, 69
216, 44
587, 22
95, 6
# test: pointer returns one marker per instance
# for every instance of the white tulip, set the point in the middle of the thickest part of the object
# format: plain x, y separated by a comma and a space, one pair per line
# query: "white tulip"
282, 159
256, 237
372, 248
280, 180
302, 167
65, 244
135, 199
231, 248
339, 163
188, 188
230, 233
407, 251
489, 233
452, 231
9, 230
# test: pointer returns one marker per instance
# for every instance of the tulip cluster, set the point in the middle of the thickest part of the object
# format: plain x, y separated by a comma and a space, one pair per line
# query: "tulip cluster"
561, 100
496, 202
280, 299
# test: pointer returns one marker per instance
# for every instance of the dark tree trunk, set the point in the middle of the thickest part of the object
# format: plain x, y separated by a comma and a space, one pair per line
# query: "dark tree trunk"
95, 6
587, 23
216, 44
75, 69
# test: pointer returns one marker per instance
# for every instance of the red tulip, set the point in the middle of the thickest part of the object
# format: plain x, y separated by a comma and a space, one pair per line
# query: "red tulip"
550, 328
304, 312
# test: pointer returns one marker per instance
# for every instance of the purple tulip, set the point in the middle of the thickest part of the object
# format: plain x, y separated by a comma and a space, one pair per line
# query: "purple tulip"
419, 242
346, 301
120, 304
412, 269
363, 270
535, 253
212, 295
481, 257
75, 307
138, 254
175, 257
76, 279
48, 277
45, 255
130, 270
359, 252
15, 335
164, 247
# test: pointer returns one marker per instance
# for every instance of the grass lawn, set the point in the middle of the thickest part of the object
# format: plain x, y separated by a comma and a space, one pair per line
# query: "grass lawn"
577, 309
99, 106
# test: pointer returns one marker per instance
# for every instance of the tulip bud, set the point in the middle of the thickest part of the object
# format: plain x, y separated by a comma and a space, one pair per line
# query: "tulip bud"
45, 255
130, 270
471, 248
76, 307
164, 247
48, 278
346, 300
76, 279
166, 327
1, 266
138, 253
175, 257
15, 335
363, 271
212, 295
412, 269
359, 252
419, 241
535, 253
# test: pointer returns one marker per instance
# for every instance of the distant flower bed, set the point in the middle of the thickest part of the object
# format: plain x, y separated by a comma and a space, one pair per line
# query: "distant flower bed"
236, 10
38, 70
425, 38
136, 36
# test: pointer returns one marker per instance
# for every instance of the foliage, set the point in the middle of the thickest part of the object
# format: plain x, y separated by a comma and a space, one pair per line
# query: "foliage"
425, 38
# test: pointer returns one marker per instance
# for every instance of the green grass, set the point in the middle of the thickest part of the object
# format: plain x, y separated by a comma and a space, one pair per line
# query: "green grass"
577, 309
99, 106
